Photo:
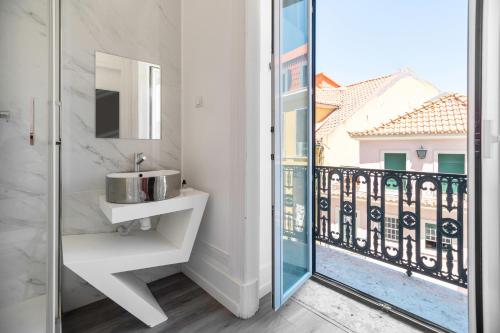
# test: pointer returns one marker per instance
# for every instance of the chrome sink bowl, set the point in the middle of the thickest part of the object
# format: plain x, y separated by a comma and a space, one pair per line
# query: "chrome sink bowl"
142, 186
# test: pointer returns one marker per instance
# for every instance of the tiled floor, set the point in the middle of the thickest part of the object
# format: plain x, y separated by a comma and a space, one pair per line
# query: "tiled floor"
436, 301
190, 309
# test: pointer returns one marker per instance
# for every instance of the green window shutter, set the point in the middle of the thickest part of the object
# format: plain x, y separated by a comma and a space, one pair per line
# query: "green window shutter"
451, 163
394, 161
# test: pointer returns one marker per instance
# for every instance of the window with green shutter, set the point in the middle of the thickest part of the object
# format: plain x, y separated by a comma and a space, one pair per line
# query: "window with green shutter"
451, 163
394, 161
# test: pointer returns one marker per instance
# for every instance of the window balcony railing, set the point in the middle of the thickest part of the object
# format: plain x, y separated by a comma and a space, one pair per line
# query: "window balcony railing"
413, 220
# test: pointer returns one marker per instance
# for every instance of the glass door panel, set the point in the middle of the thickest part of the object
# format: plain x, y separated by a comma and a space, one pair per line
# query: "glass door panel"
292, 168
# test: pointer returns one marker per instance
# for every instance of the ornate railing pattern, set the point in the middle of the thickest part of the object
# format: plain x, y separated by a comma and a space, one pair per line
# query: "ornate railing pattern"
294, 201
406, 190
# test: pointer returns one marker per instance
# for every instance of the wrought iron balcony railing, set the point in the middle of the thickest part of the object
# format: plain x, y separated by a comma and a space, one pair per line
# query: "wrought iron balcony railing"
413, 220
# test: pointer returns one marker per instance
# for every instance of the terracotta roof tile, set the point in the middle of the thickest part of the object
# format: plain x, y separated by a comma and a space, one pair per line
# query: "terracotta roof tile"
324, 81
348, 99
444, 114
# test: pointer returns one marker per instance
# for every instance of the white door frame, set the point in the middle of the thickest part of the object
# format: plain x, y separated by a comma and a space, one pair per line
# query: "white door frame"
484, 263
53, 303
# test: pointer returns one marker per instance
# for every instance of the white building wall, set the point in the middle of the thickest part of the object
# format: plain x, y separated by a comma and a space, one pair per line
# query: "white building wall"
399, 98
372, 151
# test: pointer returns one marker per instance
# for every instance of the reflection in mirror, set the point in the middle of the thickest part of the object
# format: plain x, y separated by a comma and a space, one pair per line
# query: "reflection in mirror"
128, 98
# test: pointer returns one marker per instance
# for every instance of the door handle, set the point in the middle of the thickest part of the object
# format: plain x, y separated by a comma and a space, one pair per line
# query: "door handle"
32, 125
488, 139
5, 115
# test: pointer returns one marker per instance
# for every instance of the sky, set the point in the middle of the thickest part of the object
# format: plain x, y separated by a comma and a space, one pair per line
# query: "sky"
362, 39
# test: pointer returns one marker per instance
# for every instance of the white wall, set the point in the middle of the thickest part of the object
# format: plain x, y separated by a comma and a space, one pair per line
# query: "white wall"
220, 145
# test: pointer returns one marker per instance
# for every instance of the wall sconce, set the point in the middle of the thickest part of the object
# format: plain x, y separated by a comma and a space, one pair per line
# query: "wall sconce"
421, 152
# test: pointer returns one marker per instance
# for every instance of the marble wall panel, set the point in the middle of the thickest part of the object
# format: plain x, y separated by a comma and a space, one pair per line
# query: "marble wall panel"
147, 30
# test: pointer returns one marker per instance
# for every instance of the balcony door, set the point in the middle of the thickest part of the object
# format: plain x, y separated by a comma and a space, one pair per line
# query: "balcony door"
292, 118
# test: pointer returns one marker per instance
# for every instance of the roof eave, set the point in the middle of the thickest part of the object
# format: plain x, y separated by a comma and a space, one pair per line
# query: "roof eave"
423, 136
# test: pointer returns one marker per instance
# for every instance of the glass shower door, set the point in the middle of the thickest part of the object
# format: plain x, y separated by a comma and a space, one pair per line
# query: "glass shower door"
24, 165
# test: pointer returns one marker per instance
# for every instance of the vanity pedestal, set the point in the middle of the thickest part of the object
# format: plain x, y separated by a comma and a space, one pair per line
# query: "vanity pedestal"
106, 260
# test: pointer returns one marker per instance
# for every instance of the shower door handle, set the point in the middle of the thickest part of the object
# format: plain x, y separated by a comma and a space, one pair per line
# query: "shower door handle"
5, 115
32, 124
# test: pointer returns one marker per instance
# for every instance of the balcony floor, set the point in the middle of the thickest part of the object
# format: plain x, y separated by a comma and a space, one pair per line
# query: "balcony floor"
433, 300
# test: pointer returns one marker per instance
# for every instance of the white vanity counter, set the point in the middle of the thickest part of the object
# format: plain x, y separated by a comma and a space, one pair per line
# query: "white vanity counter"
117, 213
106, 260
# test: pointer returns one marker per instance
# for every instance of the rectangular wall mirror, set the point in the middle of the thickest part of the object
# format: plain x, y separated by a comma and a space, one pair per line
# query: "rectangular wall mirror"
127, 98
